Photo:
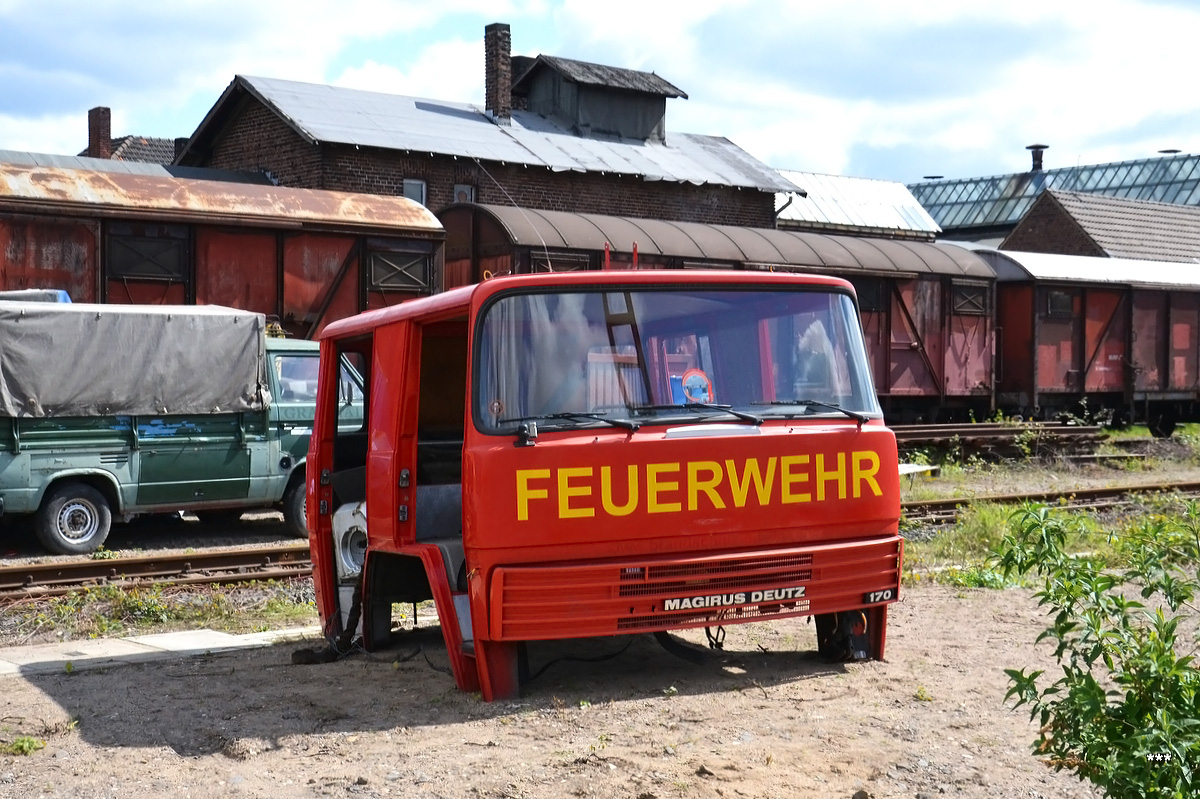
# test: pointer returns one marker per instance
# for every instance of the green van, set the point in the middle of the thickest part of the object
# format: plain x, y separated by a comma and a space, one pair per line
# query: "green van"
112, 411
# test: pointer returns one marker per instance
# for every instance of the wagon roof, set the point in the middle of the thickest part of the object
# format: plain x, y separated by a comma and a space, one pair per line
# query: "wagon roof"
1012, 266
36, 187
765, 247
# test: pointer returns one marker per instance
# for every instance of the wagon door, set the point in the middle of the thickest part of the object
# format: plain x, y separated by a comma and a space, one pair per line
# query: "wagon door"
916, 335
49, 253
1059, 340
1105, 331
1184, 341
968, 339
1150, 322
872, 311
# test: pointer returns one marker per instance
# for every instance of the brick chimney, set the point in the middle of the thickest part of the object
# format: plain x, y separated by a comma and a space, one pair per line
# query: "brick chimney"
497, 75
99, 133
1036, 149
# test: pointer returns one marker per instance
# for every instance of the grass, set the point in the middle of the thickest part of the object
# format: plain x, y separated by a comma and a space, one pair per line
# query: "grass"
106, 611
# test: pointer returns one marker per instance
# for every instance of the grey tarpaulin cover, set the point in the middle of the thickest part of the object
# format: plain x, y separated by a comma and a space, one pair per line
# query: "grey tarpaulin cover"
77, 359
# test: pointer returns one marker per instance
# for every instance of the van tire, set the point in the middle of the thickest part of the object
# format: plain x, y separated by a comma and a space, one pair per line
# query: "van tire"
294, 512
74, 519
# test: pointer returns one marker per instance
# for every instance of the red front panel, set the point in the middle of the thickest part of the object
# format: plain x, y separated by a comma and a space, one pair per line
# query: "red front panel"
49, 254
1105, 339
647, 594
237, 269
574, 496
1184, 341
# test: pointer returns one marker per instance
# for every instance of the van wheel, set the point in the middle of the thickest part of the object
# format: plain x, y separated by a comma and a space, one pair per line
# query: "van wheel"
74, 520
295, 517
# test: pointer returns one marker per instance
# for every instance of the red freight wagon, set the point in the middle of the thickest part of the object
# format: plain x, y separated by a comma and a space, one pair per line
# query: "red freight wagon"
303, 256
1111, 336
926, 308
560, 456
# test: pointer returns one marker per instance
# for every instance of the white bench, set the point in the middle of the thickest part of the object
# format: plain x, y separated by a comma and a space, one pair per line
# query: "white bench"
913, 469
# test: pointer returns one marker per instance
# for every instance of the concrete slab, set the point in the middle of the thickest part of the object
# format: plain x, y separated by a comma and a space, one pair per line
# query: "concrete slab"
105, 652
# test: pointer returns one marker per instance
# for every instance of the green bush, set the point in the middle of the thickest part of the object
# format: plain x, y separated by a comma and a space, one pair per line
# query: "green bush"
1125, 715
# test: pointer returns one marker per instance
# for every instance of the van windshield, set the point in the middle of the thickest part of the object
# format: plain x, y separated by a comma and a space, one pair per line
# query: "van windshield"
649, 355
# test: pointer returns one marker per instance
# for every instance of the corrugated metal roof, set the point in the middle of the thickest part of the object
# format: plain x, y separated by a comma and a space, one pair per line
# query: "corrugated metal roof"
1134, 228
1003, 199
323, 113
759, 246
16, 158
602, 75
90, 192
856, 204
1010, 265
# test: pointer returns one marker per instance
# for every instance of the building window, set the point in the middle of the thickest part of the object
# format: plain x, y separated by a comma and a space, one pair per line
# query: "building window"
464, 193
415, 190
147, 252
400, 266
969, 299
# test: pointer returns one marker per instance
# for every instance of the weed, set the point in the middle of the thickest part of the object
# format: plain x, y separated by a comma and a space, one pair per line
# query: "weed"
922, 695
23, 745
1141, 740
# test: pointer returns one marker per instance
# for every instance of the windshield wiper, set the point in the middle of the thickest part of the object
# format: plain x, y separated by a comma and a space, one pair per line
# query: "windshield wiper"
624, 424
855, 415
702, 406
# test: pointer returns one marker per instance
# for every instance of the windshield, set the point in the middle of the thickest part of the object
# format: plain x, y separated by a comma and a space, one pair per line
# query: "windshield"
584, 357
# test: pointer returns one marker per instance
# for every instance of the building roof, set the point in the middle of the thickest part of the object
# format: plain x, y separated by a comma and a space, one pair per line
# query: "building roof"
29, 188
1155, 231
591, 74
1002, 200
144, 148
1016, 266
332, 114
751, 246
853, 205
16, 158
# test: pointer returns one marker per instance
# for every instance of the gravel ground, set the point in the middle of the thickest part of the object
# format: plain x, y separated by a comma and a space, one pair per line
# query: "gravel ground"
608, 718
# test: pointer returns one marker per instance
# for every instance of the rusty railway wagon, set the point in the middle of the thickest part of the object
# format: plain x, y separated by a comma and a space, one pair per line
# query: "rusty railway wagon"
927, 310
1114, 336
144, 236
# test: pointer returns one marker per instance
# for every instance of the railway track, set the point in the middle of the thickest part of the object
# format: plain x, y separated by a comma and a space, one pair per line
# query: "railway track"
33, 580
946, 511
1002, 439
226, 565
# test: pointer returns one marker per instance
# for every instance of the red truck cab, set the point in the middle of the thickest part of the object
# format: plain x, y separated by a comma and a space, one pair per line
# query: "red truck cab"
566, 455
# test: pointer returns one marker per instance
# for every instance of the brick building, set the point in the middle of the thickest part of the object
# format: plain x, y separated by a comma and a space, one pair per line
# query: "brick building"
1075, 223
555, 134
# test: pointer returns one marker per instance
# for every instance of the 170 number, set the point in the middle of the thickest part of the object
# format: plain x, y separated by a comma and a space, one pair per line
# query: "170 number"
871, 597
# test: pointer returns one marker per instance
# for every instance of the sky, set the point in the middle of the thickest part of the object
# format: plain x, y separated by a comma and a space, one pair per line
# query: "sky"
881, 89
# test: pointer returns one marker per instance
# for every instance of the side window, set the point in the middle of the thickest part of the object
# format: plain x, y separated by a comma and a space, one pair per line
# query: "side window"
147, 251
296, 375
968, 299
